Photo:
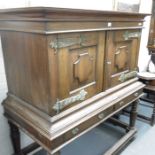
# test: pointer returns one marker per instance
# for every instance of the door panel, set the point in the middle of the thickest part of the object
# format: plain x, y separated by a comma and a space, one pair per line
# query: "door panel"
80, 66
121, 55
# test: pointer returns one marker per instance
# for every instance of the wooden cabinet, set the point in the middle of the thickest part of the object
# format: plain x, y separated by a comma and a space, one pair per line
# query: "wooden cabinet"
68, 70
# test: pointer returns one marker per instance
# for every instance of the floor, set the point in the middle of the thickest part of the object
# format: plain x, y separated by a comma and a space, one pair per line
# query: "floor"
98, 140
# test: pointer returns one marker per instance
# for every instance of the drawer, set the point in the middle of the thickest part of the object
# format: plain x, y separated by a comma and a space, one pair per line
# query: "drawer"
77, 130
80, 128
128, 99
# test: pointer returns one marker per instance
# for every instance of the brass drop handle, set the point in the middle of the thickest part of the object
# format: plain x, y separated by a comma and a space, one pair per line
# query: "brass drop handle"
101, 116
136, 94
121, 103
75, 131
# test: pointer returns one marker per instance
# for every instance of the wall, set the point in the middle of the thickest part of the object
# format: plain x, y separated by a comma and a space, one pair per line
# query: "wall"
143, 55
5, 145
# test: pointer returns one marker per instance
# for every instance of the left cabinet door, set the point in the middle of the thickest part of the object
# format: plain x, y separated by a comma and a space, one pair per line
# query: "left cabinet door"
78, 65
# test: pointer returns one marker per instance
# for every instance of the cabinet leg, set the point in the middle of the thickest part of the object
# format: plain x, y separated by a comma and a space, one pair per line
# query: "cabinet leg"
153, 116
133, 114
15, 139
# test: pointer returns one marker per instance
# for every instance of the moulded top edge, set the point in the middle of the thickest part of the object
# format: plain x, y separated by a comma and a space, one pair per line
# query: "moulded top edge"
62, 13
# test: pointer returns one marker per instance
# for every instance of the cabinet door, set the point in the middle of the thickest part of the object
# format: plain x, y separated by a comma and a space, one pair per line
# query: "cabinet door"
121, 56
80, 66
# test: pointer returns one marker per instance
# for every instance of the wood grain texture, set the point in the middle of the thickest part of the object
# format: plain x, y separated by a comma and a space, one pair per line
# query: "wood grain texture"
48, 20
26, 65
53, 136
44, 13
49, 74
53, 54
121, 55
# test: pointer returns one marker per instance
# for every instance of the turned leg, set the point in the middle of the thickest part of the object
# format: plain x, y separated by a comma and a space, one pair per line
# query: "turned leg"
133, 114
15, 138
153, 115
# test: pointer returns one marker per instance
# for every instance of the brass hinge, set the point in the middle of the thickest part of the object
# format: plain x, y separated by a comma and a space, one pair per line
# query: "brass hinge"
128, 35
59, 105
124, 77
66, 42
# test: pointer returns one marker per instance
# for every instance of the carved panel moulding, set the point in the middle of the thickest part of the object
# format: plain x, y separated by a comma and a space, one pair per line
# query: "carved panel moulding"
83, 67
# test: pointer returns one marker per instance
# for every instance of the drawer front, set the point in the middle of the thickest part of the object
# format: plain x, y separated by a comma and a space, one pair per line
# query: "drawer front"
80, 128
101, 116
128, 99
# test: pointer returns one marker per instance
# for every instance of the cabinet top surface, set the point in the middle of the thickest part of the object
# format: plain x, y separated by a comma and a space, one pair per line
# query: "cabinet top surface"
50, 13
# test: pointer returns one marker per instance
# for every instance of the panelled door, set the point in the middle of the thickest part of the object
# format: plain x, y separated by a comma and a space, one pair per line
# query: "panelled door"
121, 56
80, 63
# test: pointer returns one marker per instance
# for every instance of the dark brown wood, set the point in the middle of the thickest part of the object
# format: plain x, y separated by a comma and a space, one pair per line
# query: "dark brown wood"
16, 141
80, 64
149, 89
15, 138
57, 14
142, 117
31, 71
83, 126
133, 114
130, 129
60, 80
119, 146
153, 116
149, 98
121, 56
47, 71
30, 148
119, 123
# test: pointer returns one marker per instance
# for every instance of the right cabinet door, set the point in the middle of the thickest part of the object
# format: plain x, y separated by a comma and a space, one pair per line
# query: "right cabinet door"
121, 56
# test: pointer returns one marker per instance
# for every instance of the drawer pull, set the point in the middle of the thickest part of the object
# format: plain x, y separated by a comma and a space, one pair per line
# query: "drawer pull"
75, 131
136, 94
121, 103
101, 116
109, 62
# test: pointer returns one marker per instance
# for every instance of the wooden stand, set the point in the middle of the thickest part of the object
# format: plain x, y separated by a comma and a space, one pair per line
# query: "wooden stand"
152, 102
15, 138
130, 129
150, 90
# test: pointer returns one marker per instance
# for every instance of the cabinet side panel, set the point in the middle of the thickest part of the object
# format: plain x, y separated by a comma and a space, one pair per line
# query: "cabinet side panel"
25, 58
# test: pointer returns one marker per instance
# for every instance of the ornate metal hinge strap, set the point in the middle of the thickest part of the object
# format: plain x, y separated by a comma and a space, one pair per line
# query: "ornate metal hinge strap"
62, 104
127, 76
128, 35
66, 42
